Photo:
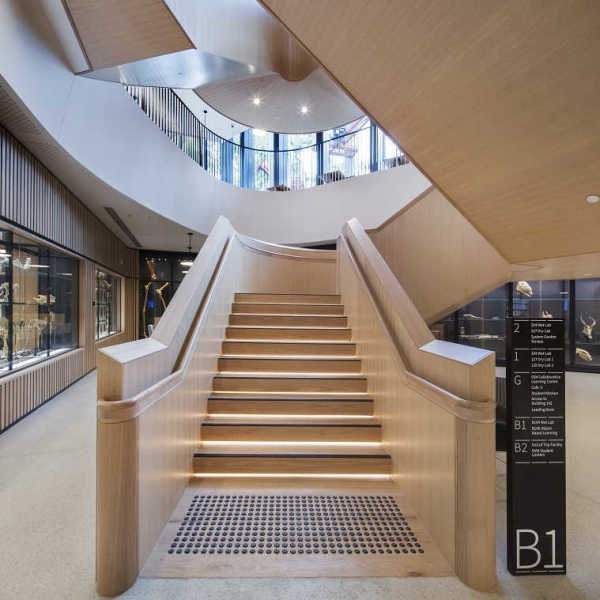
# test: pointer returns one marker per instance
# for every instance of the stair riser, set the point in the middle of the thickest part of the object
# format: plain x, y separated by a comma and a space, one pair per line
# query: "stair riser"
287, 309
288, 321
288, 365
276, 333
293, 298
301, 466
288, 407
283, 349
287, 384
283, 433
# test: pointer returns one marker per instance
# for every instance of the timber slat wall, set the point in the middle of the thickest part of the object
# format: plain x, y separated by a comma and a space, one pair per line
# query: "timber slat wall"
34, 200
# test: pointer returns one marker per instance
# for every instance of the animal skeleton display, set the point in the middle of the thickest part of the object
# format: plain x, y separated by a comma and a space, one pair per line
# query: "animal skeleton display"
583, 354
588, 326
524, 288
43, 299
546, 315
159, 291
150, 263
482, 336
471, 317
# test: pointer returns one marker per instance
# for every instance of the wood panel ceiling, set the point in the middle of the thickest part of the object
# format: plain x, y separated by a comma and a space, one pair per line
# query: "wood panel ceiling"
497, 102
115, 32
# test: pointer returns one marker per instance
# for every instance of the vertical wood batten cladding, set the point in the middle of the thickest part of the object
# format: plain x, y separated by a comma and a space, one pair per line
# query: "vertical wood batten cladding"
34, 200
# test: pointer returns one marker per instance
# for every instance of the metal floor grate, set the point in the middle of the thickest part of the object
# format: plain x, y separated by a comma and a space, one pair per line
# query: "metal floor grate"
294, 525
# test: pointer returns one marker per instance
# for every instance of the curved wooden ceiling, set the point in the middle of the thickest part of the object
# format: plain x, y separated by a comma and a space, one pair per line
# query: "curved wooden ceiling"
498, 102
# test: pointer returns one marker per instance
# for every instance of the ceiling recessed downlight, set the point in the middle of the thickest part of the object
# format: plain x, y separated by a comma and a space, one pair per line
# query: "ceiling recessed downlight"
304, 109
256, 101
593, 199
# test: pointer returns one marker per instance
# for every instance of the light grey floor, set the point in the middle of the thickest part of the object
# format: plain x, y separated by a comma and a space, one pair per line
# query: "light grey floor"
47, 492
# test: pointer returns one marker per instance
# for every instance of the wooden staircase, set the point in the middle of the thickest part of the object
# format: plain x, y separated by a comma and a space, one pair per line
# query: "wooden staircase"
290, 398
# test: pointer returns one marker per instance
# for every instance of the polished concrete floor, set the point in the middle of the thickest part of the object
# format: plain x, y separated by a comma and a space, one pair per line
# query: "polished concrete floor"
47, 493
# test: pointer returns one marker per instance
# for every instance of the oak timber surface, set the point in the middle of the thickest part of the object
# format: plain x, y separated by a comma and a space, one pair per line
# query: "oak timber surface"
497, 103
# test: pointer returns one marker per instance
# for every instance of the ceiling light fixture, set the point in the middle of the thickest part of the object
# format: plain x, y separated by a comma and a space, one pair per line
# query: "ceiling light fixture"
304, 109
593, 199
256, 101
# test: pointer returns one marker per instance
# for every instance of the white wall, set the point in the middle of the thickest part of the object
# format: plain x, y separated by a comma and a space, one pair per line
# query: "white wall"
102, 130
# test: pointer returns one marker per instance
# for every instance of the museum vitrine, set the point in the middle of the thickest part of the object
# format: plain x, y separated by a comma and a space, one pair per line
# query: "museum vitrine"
38, 302
161, 274
586, 315
108, 304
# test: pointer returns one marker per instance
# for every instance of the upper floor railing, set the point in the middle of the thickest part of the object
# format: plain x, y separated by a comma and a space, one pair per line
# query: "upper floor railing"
271, 161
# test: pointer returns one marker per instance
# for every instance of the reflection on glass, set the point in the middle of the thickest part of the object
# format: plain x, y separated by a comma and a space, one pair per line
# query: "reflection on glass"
543, 300
108, 304
38, 302
587, 319
482, 322
161, 273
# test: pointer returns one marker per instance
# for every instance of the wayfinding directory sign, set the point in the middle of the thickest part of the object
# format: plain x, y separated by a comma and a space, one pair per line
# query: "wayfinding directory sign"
535, 379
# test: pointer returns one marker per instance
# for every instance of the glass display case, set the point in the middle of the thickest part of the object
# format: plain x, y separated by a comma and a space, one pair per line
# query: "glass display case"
586, 317
108, 304
161, 273
482, 322
38, 302
545, 300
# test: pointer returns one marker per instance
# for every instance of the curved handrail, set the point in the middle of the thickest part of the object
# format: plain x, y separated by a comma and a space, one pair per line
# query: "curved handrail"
288, 251
468, 410
243, 165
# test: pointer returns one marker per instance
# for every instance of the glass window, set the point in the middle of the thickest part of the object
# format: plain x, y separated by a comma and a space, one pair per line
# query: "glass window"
38, 302
298, 166
258, 159
347, 151
388, 153
161, 274
543, 299
108, 304
482, 322
587, 323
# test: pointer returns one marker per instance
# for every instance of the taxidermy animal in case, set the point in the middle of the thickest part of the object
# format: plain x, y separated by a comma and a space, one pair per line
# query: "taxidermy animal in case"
588, 327
524, 288
546, 315
583, 354
471, 317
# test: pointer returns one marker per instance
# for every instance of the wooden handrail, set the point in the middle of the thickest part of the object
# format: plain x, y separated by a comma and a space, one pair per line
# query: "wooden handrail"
163, 348
287, 251
467, 410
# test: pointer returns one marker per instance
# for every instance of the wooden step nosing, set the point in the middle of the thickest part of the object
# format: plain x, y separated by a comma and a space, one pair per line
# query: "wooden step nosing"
295, 357
280, 424
233, 399
289, 455
287, 376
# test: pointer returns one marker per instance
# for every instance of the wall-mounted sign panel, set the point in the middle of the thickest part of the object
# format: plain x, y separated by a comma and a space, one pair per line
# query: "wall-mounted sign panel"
535, 376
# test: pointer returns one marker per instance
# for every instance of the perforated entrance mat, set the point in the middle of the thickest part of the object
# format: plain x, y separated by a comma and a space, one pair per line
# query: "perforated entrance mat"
292, 535
288, 525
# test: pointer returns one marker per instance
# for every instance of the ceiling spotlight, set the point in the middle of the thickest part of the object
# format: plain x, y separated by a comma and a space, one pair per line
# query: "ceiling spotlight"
304, 109
256, 101
593, 199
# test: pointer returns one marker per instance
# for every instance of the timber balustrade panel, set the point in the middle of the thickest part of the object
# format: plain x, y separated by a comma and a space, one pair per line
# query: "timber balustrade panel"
442, 445
152, 393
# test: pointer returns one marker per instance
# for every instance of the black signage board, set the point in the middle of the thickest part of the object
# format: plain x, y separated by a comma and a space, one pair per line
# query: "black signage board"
535, 380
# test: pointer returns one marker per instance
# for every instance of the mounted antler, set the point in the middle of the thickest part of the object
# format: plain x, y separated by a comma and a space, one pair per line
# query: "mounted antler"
587, 327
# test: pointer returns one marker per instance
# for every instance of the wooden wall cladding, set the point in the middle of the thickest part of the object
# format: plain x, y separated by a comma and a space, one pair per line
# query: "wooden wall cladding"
31, 197
33, 200
442, 261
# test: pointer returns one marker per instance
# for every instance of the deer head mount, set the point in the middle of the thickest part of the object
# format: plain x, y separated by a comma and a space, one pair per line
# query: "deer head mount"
588, 326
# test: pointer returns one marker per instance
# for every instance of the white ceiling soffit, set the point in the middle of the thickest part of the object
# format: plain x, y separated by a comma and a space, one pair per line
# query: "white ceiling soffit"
314, 104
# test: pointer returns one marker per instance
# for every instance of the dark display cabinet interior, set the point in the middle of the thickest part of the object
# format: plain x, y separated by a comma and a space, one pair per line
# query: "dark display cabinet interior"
160, 276
586, 316
482, 322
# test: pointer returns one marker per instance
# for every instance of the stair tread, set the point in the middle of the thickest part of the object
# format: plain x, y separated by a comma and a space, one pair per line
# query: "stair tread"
257, 395
287, 375
295, 451
323, 357
289, 421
